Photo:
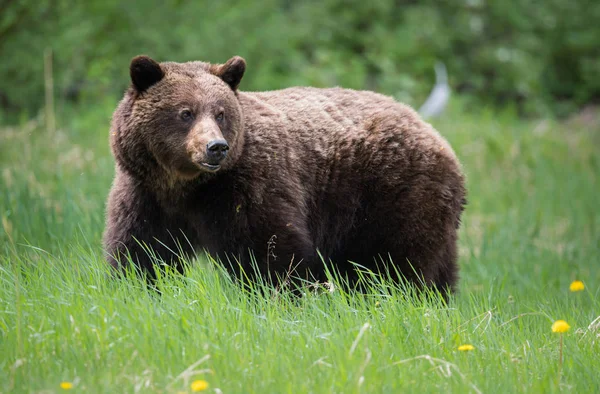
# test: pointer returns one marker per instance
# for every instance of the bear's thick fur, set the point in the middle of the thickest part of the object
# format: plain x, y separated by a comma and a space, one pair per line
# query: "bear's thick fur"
352, 175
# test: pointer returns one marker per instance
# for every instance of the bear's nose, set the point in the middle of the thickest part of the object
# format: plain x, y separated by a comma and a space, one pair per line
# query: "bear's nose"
216, 150
217, 145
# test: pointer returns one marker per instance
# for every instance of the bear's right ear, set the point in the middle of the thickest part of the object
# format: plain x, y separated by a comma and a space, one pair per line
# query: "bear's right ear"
144, 72
231, 72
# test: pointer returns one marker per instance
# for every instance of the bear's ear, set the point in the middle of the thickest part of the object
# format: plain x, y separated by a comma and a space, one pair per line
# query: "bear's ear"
145, 72
231, 72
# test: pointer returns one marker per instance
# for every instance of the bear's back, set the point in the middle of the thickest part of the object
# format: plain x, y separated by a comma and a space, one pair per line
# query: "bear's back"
326, 106
341, 124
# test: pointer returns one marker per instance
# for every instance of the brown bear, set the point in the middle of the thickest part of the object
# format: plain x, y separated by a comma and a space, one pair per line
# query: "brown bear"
277, 183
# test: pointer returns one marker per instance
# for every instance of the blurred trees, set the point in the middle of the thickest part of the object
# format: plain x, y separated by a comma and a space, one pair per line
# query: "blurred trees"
538, 55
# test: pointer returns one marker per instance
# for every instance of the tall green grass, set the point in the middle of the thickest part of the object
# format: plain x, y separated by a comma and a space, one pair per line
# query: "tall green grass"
531, 227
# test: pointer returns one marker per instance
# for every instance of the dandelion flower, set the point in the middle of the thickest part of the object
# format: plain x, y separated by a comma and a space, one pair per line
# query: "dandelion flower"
66, 385
560, 326
199, 385
466, 348
577, 285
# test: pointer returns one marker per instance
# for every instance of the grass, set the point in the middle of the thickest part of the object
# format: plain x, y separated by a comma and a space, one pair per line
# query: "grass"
531, 227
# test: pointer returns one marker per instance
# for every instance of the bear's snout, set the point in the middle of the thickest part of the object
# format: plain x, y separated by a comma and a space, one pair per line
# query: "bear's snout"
216, 150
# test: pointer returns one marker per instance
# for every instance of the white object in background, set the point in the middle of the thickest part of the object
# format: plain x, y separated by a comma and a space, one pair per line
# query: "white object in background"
439, 96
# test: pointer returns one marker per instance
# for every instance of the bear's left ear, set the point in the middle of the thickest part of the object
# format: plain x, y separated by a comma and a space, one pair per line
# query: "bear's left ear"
231, 72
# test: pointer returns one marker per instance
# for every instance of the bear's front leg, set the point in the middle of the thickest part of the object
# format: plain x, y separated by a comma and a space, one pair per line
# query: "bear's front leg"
285, 252
138, 231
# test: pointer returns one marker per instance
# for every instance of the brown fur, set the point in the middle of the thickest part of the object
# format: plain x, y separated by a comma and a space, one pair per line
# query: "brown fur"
353, 175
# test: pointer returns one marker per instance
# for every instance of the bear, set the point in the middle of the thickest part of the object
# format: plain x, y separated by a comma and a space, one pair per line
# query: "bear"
278, 184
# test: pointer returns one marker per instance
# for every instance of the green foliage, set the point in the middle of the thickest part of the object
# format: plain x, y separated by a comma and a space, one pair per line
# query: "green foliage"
537, 57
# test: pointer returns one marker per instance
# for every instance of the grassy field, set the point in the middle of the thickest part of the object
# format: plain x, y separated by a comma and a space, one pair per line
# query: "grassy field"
532, 227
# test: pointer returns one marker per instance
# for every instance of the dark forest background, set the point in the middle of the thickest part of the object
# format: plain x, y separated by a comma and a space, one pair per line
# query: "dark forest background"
540, 57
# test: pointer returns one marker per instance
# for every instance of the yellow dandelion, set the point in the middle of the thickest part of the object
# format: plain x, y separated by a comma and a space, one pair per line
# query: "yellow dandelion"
560, 326
577, 285
66, 385
466, 348
199, 385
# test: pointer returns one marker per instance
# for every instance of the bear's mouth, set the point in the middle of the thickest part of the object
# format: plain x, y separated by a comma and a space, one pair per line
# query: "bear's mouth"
210, 167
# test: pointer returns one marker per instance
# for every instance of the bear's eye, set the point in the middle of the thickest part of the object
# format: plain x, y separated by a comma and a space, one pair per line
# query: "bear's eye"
186, 115
220, 117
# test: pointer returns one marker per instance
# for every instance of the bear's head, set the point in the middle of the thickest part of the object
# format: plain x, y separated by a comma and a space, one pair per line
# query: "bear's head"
179, 121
